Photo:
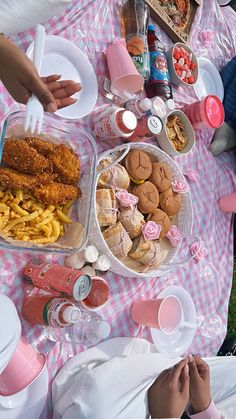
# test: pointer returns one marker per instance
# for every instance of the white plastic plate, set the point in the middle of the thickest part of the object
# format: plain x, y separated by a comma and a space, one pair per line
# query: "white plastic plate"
63, 57
209, 81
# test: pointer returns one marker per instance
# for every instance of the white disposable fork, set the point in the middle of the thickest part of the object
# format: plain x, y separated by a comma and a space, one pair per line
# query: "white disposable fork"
34, 109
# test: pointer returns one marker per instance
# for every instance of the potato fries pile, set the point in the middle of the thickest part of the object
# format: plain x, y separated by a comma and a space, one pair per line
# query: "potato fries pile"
24, 218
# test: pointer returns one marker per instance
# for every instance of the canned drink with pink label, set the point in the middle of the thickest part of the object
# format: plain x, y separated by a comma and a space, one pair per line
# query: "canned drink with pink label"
120, 123
58, 279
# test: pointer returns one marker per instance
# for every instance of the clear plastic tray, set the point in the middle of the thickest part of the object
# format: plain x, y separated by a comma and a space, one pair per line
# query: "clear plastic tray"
60, 131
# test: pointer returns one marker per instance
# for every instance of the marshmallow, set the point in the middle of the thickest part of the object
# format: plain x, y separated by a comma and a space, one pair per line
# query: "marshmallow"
88, 270
91, 254
75, 261
102, 264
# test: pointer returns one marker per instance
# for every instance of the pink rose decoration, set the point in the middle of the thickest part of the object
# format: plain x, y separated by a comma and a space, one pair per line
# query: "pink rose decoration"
192, 175
199, 251
180, 187
174, 235
151, 230
126, 199
206, 38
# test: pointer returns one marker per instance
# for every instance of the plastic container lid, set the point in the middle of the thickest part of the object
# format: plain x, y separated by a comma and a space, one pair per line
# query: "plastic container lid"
75, 261
103, 330
102, 264
145, 104
91, 254
214, 111
129, 120
154, 124
71, 314
88, 270
170, 104
151, 28
159, 107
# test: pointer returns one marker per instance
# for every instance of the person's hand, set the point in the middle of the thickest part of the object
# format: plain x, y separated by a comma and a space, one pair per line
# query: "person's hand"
200, 392
20, 77
169, 394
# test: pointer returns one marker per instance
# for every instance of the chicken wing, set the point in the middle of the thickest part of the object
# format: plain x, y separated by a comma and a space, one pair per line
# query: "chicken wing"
56, 193
41, 146
66, 165
18, 155
12, 179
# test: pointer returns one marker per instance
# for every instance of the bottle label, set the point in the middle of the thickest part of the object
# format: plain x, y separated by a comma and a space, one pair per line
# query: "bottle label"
51, 312
138, 50
159, 67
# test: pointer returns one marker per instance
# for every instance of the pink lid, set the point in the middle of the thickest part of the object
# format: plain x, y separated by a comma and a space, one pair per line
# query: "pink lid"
214, 111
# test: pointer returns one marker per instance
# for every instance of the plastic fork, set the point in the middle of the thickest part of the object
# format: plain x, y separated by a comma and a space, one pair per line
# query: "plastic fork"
34, 109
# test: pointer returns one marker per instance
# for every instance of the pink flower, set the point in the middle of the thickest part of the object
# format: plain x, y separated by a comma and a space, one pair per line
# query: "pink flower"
180, 187
126, 199
206, 38
151, 230
174, 235
192, 175
198, 250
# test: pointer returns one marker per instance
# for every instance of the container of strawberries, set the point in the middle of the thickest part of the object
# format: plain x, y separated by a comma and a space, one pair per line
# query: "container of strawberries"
182, 64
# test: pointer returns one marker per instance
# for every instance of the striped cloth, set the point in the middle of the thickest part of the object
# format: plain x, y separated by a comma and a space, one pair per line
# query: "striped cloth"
92, 25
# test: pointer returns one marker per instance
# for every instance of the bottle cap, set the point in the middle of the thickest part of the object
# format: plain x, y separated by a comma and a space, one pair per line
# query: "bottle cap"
170, 104
145, 104
82, 287
159, 107
89, 270
75, 261
102, 264
154, 124
71, 314
103, 330
151, 28
91, 254
129, 120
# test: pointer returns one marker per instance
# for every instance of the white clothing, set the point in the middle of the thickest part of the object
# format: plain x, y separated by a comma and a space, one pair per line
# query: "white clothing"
111, 380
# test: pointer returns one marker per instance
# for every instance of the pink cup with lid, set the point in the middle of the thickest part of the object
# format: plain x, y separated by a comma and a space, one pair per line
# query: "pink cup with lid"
206, 113
123, 74
24, 367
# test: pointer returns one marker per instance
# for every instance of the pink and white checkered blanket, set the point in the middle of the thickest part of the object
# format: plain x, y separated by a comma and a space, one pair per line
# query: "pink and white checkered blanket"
92, 25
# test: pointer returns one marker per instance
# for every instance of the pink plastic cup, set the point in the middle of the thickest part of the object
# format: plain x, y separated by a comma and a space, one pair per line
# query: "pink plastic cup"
123, 74
24, 367
98, 296
228, 203
163, 313
206, 113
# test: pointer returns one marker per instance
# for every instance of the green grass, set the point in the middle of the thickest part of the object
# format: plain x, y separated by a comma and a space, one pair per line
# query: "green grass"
232, 307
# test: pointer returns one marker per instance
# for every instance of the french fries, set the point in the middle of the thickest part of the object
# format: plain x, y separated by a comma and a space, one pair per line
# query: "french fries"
24, 218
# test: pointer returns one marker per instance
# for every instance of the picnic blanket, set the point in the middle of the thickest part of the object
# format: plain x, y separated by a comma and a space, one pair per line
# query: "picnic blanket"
92, 25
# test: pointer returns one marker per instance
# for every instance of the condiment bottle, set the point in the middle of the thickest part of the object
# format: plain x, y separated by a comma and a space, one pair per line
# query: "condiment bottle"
159, 107
158, 83
135, 16
47, 310
119, 123
58, 279
139, 107
147, 128
102, 264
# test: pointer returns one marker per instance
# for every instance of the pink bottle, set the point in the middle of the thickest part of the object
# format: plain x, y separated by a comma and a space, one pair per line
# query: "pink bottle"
147, 128
228, 203
139, 106
206, 113
119, 123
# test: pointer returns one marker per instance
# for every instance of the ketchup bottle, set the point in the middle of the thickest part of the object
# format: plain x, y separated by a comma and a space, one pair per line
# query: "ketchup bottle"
46, 310
158, 83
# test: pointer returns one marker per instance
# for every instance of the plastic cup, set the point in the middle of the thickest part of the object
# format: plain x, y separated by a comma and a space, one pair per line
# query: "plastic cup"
123, 74
206, 113
98, 296
24, 367
163, 313
228, 203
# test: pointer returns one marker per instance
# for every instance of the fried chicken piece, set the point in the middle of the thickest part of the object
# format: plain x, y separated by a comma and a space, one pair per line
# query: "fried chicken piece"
66, 165
13, 179
18, 155
56, 193
41, 146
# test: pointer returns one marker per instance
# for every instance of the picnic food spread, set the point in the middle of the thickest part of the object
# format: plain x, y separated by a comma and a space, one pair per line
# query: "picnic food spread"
143, 208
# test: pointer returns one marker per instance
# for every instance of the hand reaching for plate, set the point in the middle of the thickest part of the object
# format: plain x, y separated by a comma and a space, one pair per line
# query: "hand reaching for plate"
20, 77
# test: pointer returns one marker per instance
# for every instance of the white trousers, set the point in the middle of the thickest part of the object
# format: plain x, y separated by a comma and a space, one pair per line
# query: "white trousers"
111, 380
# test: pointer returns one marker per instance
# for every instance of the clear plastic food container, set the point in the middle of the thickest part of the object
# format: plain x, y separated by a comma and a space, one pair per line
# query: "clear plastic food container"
59, 131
